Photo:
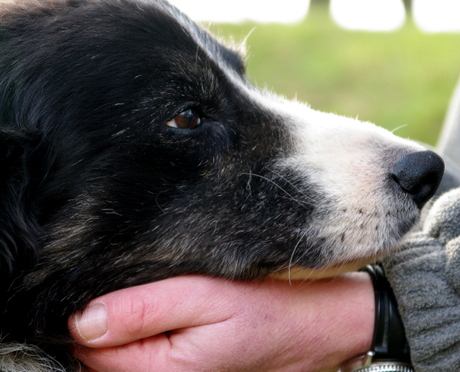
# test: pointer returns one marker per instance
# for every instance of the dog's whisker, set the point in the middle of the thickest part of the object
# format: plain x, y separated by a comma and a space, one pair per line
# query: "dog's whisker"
398, 128
284, 178
291, 264
312, 199
291, 197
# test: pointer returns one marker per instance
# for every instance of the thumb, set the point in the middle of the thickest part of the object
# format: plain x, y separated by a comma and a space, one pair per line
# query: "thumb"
131, 314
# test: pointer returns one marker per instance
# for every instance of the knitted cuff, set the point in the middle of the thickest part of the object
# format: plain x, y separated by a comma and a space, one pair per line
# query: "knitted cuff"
429, 306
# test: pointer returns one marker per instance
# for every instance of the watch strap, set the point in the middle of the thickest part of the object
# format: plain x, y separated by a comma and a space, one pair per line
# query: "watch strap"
390, 350
389, 341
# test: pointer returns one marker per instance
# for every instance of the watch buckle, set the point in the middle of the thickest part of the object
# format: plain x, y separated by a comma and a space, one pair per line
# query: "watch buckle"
362, 361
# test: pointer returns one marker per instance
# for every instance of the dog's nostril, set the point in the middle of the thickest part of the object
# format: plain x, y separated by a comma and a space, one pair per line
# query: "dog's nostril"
419, 174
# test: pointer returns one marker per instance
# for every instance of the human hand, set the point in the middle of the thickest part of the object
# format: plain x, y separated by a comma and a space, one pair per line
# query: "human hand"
195, 323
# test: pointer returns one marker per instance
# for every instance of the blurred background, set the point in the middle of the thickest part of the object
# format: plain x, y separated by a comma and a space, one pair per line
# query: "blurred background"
392, 62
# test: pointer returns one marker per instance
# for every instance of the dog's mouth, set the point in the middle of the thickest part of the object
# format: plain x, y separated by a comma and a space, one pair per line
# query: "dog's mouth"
302, 273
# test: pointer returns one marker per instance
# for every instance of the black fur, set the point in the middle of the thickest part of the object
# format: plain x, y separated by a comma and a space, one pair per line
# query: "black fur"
98, 193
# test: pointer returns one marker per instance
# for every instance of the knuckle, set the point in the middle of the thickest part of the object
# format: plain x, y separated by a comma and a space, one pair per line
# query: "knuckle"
137, 313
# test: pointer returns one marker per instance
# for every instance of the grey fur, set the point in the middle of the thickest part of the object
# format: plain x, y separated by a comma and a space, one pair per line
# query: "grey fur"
15, 357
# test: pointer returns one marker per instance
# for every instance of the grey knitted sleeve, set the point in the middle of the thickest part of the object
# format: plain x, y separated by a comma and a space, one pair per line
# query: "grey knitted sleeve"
425, 276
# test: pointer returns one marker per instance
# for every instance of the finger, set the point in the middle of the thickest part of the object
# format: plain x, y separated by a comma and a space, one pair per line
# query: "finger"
139, 312
121, 358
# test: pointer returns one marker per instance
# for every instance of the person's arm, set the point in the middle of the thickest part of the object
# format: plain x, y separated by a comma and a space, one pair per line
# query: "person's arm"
203, 324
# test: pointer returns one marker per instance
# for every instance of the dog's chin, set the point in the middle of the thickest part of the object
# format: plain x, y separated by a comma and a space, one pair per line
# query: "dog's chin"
302, 273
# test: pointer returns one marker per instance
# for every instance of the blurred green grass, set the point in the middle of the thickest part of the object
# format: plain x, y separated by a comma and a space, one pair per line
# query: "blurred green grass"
401, 80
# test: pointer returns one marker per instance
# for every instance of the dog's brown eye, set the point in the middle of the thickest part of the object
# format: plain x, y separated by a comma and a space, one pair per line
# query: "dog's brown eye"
188, 119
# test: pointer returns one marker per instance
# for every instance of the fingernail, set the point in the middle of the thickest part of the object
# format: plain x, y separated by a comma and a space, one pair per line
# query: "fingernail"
93, 322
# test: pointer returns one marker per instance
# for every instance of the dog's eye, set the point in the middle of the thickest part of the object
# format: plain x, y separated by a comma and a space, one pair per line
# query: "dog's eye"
187, 119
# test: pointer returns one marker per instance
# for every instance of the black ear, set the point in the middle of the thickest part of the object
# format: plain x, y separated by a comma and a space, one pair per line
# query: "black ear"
18, 227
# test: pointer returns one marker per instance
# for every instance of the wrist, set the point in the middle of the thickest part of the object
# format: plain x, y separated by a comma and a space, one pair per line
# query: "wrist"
349, 317
390, 351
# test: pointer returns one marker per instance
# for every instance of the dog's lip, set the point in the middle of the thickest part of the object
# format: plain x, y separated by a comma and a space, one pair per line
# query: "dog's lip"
302, 273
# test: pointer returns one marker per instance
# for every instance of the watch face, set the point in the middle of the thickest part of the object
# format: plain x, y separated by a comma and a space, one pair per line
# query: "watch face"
387, 367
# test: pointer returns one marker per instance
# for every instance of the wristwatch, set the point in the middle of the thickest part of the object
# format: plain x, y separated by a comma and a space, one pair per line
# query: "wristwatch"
367, 363
390, 351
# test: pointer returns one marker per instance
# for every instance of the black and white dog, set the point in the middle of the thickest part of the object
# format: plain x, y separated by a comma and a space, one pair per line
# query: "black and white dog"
133, 148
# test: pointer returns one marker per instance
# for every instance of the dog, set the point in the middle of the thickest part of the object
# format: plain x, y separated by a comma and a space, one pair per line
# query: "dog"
133, 148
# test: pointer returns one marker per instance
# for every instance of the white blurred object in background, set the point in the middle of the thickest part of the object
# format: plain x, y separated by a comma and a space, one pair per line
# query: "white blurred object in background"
369, 15
437, 15
230, 11
365, 15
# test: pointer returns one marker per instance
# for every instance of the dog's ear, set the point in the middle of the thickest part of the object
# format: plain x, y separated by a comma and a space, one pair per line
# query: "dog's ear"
18, 227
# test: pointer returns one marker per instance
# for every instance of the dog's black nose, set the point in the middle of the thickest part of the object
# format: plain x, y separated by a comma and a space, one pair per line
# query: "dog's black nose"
419, 175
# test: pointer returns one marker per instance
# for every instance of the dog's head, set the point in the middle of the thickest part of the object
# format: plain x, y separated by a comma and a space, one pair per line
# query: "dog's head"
134, 148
